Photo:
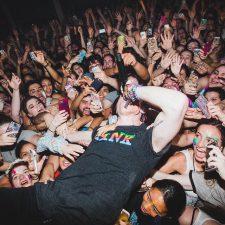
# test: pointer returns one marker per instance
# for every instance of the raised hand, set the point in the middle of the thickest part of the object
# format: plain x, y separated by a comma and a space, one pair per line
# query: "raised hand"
15, 82
196, 32
35, 28
216, 112
167, 41
176, 65
129, 59
190, 89
60, 118
194, 113
217, 159
118, 17
7, 138
40, 57
72, 151
166, 60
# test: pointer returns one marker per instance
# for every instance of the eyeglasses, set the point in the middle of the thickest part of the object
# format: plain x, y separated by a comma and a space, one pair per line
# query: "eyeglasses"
153, 205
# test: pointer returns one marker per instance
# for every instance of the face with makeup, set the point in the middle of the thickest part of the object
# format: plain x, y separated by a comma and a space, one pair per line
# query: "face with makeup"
21, 177
153, 203
204, 136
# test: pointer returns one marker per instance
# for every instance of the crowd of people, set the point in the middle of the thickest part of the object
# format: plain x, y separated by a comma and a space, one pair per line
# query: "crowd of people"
115, 117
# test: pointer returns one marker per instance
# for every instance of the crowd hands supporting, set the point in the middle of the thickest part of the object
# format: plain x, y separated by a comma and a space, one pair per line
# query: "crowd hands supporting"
58, 80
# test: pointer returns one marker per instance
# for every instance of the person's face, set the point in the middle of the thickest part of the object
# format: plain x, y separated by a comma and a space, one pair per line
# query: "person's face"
210, 36
98, 51
192, 46
25, 154
37, 91
181, 35
64, 163
153, 203
217, 76
84, 106
78, 70
213, 97
105, 51
21, 177
34, 107
103, 92
47, 86
187, 57
108, 62
28, 78
122, 110
170, 84
204, 135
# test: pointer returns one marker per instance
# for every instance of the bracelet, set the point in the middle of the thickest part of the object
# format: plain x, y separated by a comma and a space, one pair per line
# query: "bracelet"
132, 94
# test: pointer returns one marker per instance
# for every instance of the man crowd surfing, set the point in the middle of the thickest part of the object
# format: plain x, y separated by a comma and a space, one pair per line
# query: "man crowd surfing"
115, 117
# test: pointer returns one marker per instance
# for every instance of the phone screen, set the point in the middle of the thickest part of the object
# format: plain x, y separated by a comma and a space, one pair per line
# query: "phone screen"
97, 84
13, 127
63, 105
201, 102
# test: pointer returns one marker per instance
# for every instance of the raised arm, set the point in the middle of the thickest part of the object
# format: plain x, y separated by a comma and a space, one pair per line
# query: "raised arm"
173, 105
15, 84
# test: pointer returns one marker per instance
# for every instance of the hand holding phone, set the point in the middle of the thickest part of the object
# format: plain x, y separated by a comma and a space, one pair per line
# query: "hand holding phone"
33, 56
201, 102
208, 149
143, 34
13, 127
63, 105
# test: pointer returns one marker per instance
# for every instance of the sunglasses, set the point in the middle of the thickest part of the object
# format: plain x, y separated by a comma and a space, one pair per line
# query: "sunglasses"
153, 205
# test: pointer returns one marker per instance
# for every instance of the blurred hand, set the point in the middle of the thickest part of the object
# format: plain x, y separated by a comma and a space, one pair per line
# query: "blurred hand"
217, 159
72, 151
167, 41
194, 113
176, 65
60, 118
15, 82
129, 59
166, 60
7, 138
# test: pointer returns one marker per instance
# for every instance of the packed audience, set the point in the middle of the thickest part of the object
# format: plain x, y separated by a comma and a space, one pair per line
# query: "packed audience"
61, 77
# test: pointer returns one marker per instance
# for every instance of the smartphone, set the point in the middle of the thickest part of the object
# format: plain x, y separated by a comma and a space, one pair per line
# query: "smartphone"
149, 32
203, 22
166, 26
32, 56
97, 84
34, 159
201, 102
13, 127
152, 44
163, 20
120, 39
90, 46
143, 34
208, 149
193, 80
196, 51
96, 69
63, 105
67, 39
216, 40
2, 52
180, 15
82, 55
96, 100
101, 31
